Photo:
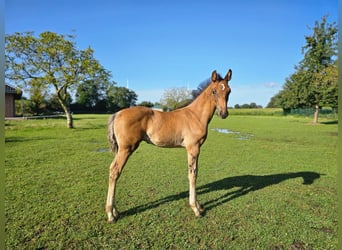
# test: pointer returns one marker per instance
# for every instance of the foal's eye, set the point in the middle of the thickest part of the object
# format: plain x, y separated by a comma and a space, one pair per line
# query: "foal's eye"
223, 87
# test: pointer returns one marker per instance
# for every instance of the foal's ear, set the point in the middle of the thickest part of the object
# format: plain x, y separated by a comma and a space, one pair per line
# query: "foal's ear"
213, 76
229, 75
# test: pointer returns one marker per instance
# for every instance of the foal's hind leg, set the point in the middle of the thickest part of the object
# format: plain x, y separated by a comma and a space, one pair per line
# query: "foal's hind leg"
114, 173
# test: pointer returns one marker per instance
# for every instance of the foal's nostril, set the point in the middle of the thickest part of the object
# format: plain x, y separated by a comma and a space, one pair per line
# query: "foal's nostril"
223, 114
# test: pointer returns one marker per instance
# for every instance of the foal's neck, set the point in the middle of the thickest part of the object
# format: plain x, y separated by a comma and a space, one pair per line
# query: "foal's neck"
204, 106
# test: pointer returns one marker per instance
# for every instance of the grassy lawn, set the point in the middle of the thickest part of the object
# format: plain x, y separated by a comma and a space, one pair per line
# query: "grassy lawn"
270, 183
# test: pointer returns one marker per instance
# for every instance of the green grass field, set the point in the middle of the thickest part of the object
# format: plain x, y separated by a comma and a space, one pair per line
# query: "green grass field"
270, 184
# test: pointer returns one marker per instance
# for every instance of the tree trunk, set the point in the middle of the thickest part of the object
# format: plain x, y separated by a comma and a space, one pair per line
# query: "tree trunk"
64, 105
70, 122
315, 120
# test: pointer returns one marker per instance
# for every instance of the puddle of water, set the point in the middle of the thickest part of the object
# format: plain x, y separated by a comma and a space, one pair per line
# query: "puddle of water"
102, 150
223, 131
240, 136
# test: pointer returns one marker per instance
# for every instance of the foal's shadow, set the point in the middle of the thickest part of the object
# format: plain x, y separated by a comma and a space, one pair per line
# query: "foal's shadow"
244, 183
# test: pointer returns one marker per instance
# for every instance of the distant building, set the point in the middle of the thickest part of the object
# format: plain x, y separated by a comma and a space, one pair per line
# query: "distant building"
157, 107
11, 94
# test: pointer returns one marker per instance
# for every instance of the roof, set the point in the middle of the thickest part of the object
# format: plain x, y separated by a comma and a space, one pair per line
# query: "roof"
11, 90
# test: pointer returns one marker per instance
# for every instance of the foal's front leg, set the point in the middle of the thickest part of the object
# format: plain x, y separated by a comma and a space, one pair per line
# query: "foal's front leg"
193, 153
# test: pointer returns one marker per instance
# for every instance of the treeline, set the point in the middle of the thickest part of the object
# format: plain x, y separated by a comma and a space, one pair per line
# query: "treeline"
89, 98
252, 105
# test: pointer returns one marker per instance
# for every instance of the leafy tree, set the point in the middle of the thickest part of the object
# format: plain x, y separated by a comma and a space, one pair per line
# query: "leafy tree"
321, 47
175, 97
52, 103
329, 77
319, 53
119, 98
146, 104
275, 101
22, 106
53, 61
253, 105
295, 93
91, 93
314, 83
38, 94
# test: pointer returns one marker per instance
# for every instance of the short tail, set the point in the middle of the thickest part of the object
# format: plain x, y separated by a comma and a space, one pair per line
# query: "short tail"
111, 135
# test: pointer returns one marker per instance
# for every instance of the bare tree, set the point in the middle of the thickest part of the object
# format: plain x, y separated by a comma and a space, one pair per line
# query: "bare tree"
175, 97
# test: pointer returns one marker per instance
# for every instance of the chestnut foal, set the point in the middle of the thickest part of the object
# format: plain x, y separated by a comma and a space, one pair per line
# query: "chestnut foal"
185, 127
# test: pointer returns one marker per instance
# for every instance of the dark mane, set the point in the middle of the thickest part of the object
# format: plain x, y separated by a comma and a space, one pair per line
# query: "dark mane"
199, 90
203, 85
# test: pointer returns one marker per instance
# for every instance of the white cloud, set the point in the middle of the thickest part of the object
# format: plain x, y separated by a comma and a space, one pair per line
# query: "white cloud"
270, 85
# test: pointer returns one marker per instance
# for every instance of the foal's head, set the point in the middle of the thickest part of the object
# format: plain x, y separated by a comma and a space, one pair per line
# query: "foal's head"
221, 90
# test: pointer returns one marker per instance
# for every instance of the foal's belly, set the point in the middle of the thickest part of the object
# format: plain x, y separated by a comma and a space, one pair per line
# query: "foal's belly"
165, 141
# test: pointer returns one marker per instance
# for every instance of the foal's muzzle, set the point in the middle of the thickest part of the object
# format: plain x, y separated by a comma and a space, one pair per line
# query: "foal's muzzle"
223, 114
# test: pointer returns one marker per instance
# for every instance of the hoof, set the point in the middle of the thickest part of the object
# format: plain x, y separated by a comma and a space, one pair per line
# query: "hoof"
113, 217
199, 207
198, 210
111, 221
199, 217
201, 213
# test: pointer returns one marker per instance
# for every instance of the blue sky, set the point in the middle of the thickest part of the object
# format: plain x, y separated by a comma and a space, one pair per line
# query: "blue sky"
156, 45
